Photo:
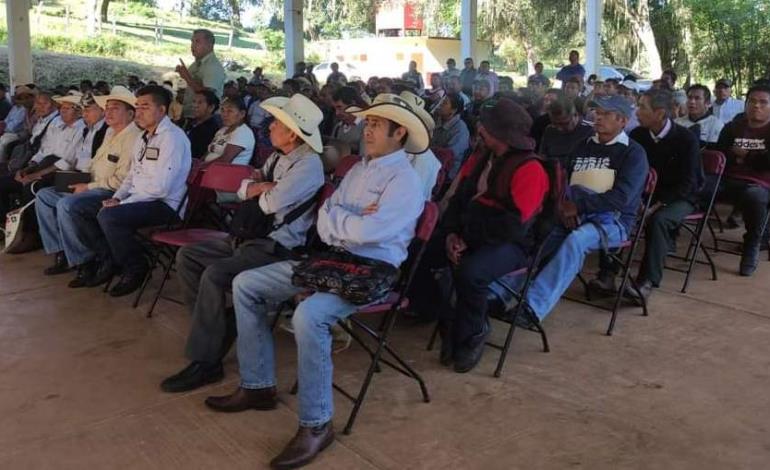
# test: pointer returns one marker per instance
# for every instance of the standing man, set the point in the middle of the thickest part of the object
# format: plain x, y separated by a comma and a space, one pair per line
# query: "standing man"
746, 142
725, 107
468, 76
699, 114
573, 69
372, 214
205, 72
336, 77
539, 77
153, 191
290, 178
414, 77
485, 73
451, 71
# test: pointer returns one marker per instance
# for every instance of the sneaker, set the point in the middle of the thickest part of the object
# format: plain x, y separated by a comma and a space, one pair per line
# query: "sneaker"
749, 259
603, 283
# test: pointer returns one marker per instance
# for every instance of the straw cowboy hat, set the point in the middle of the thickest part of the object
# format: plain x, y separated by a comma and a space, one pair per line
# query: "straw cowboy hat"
118, 93
72, 98
400, 111
300, 115
418, 105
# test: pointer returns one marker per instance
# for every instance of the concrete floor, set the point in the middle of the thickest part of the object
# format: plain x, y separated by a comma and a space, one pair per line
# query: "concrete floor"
686, 388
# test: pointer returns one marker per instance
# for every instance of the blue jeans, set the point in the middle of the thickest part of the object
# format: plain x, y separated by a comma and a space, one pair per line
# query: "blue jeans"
68, 222
313, 317
557, 275
120, 223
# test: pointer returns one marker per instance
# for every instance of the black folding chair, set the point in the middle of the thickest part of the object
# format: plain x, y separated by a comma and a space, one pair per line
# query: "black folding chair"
695, 224
615, 255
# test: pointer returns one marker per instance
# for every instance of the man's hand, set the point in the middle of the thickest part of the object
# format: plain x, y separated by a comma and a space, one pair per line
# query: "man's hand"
29, 178
78, 187
569, 214
740, 154
183, 72
455, 246
256, 189
19, 176
371, 209
111, 202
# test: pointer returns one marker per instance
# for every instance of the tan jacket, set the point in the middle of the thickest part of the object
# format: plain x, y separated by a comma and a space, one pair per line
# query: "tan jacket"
112, 161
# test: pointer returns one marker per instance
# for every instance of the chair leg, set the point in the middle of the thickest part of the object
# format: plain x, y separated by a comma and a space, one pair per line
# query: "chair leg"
433, 337
508, 340
166, 276
619, 296
713, 236
153, 265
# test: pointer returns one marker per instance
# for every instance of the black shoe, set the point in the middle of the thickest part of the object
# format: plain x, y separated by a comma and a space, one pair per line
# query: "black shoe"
128, 284
732, 222
603, 283
645, 288
60, 265
749, 259
304, 447
468, 355
85, 272
526, 319
104, 273
195, 375
446, 356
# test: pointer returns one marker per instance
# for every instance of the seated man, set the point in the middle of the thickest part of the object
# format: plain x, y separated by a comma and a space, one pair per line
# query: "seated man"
373, 214
746, 142
206, 270
487, 225
607, 177
425, 164
674, 153
152, 192
67, 221
699, 114
13, 127
565, 132
451, 131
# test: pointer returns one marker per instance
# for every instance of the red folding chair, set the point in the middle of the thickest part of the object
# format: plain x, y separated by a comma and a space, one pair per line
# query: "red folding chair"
343, 167
216, 177
395, 303
616, 257
714, 164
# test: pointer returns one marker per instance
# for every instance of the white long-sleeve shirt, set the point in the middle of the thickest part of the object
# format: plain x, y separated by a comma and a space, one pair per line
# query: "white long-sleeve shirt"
62, 141
727, 110
46, 144
160, 167
709, 127
392, 184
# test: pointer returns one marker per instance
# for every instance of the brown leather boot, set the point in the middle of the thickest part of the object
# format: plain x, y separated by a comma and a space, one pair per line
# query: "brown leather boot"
304, 446
244, 399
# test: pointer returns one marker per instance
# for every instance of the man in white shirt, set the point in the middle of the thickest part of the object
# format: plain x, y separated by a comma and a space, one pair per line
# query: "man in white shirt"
152, 193
725, 107
699, 114
372, 214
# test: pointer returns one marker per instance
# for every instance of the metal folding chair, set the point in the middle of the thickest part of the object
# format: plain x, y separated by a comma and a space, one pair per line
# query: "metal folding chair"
713, 166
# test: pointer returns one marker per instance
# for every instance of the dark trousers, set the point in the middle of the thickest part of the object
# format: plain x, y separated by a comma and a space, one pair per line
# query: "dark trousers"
472, 276
206, 271
120, 223
8, 188
660, 233
752, 200
431, 289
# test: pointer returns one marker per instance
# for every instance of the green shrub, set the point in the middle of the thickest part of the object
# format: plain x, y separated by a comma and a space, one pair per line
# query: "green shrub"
105, 46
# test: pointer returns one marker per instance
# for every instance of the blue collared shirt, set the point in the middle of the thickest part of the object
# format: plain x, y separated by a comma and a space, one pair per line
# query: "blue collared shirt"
14, 122
392, 184
453, 134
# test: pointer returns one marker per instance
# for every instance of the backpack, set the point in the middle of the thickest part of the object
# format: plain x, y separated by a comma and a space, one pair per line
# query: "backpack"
21, 233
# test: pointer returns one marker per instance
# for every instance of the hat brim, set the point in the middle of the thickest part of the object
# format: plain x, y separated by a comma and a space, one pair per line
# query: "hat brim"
103, 99
418, 139
73, 100
275, 106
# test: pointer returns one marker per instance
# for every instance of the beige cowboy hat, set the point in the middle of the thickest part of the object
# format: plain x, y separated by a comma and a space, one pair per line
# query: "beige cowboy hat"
118, 93
72, 98
397, 109
24, 90
300, 115
418, 104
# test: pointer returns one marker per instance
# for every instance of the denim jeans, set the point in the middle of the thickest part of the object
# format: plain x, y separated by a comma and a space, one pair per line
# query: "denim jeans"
557, 275
68, 222
313, 318
120, 223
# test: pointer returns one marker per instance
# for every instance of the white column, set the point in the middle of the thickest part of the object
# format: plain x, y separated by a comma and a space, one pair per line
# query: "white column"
294, 45
468, 33
593, 58
19, 50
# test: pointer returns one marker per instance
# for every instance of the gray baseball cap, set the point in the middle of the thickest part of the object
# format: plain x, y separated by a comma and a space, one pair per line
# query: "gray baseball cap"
614, 103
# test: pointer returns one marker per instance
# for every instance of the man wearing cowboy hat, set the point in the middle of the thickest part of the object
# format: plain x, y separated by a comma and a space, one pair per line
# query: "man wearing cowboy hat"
67, 220
13, 127
151, 194
290, 177
373, 213
425, 164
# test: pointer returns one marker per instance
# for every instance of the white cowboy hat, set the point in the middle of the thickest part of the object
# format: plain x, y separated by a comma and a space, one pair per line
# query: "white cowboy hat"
394, 108
118, 93
418, 105
72, 98
300, 115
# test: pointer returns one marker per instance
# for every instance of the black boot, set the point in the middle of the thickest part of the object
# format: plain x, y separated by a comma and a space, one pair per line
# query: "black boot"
195, 375
129, 283
104, 272
749, 258
60, 265
86, 271
468, 354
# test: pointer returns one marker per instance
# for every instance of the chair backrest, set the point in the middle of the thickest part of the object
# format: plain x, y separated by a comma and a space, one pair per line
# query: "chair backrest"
651, 183
426, 224
343, 167
325, 193
428, 221
225, 177
714, 162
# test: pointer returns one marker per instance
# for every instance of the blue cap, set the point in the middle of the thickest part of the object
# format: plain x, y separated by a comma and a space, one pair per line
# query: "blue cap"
615, 103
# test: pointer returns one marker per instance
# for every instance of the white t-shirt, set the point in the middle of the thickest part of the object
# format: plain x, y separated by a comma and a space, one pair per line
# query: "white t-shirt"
242, 136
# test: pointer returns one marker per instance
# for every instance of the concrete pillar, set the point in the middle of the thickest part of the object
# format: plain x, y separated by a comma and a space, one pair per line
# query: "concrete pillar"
19, 50
593, 58
294, 45
468, 31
